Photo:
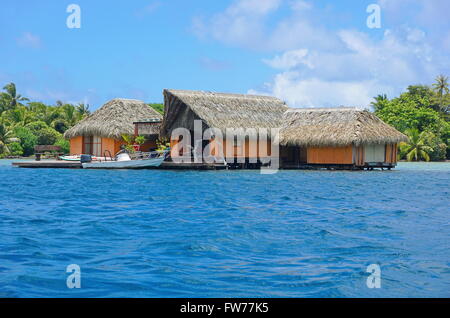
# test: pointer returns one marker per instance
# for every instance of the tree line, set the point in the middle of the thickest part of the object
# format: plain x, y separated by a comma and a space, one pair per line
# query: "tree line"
24, 123
422, 113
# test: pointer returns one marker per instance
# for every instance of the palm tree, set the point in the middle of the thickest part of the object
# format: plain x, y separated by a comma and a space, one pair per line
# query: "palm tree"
379, 102
12, 96
83, 110
69, 114
416, 149
49, 115
20, 116
441, 89
5, 137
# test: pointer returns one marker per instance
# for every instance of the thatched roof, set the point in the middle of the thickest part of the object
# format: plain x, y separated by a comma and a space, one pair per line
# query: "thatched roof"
315, 127
113, 119
220, 110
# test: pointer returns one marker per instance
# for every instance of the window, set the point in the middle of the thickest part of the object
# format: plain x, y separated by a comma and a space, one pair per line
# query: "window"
374, 153
92, 145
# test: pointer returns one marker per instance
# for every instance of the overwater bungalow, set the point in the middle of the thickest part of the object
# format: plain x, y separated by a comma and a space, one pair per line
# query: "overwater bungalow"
101, 132
341, 138
337, 137
222, 111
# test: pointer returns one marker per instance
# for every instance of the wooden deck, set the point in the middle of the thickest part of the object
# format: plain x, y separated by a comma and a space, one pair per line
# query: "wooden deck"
351, 167
54, 164
191, 166
61, 164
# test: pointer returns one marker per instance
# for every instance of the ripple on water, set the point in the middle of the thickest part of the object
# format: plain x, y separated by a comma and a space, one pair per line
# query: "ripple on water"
224, 233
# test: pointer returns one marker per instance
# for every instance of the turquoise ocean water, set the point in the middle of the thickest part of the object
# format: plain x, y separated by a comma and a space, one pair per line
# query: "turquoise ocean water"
225, 233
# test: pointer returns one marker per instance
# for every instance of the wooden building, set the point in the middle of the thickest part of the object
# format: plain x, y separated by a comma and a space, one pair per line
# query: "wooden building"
339, 137
101, 132
345, 138
221, 111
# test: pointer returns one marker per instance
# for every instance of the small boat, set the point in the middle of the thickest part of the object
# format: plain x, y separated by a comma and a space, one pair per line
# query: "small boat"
78, 158
124, 161
70, 158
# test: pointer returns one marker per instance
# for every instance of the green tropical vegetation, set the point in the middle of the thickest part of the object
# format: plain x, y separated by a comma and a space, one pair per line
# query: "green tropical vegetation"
158, 107
422, 113
25, 124
162, 144
416, 149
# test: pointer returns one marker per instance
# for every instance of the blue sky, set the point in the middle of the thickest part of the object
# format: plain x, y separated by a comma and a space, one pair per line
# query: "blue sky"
309, 53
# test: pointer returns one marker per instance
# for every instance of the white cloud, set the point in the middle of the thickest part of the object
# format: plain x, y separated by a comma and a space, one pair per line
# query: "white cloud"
352, 77
241, 23
30, 40
253, 7
300, 5
245, 24
148, 9
323, 67
314, 92
290, 59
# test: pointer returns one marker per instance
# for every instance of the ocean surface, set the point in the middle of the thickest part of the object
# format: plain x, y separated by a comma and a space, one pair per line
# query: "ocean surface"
225, 233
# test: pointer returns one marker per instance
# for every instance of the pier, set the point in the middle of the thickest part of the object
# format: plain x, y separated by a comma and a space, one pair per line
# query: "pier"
61, 164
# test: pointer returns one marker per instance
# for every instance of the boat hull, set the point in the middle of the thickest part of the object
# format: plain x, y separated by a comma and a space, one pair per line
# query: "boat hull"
131, 164
78, 158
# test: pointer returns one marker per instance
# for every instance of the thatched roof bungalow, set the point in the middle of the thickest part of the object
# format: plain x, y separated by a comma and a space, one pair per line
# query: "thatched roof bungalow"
333, 136
338, 136
221, 111
102, 130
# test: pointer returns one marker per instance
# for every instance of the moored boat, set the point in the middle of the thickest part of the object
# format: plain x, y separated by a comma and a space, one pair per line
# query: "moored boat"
124, 161
78, 158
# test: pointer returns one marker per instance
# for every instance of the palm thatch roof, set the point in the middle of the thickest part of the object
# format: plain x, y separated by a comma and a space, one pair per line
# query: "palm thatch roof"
113, 119
220, 110
335, 127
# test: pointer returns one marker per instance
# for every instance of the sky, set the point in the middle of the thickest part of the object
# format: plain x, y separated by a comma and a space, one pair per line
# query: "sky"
308, 53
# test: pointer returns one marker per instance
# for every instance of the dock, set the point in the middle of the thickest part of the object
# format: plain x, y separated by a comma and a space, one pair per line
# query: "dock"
61, 164
54, 164
168, 165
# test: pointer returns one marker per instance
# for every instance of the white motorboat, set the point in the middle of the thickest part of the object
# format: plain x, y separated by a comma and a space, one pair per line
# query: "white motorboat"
124, 161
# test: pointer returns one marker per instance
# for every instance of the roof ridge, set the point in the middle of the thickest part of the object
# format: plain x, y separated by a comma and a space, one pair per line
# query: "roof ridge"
220, 94
323, 109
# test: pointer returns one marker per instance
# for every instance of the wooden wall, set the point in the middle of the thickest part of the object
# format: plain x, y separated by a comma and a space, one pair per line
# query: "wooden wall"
76, 145
358, 156
108, 144
349, 155
330, 155
248, 149
391, 153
